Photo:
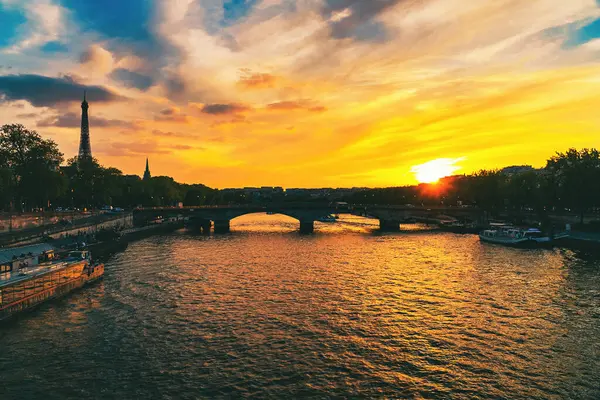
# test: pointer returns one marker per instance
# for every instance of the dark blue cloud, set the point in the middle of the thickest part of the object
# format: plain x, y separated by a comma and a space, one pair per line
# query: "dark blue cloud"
360, 24
45, 91
219, 109
234, 10
132, 79
10, 20
73, 120
54, 47
372, 31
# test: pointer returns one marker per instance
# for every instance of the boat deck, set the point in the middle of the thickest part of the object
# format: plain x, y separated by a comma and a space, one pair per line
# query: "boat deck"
11, 277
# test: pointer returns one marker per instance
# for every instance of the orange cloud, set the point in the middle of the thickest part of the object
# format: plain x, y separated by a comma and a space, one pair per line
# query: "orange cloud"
172, 114
258, 81
294, 105
221, 109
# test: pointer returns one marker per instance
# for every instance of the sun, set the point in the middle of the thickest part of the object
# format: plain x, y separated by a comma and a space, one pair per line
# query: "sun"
434, 170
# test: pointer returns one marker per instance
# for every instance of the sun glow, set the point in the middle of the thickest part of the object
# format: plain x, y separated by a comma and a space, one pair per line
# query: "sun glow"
432, 171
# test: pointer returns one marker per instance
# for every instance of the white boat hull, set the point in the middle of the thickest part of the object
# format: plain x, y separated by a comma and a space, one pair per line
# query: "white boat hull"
516, 242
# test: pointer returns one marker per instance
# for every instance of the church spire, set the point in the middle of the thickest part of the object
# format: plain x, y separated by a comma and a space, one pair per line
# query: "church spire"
85, 149
147, 171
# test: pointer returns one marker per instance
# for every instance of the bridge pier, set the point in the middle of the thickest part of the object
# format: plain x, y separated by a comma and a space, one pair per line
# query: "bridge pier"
307, 226
222, 226
198, 225
204, 226
389, 226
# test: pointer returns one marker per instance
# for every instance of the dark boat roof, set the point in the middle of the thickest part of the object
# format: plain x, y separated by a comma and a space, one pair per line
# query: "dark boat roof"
8, 254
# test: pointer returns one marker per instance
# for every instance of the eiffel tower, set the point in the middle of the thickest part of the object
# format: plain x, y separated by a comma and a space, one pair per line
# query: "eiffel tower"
85, 149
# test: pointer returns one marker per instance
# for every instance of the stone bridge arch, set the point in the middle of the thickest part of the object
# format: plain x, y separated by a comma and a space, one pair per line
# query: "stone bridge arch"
221, 219
390, 217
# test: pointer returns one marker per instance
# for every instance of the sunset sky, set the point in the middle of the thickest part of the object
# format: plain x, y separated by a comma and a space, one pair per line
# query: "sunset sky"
306, 93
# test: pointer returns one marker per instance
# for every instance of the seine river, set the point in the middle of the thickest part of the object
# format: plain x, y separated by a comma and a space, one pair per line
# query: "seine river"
347, 312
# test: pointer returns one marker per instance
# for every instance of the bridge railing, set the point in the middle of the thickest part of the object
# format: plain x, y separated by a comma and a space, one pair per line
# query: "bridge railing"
240, 206
330, 206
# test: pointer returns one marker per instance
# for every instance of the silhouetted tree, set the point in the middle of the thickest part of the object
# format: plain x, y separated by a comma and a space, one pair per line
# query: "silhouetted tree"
7, 183
29, 167
487, 189
197, 195
84, 177
164, 191
576, 176
523, 190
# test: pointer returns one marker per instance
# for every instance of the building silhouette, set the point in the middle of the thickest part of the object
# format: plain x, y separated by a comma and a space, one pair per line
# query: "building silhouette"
85, 148
147, 171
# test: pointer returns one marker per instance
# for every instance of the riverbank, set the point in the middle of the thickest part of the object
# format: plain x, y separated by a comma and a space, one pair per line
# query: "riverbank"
102, 240
102, 250
64, 228
586, 241
576, 240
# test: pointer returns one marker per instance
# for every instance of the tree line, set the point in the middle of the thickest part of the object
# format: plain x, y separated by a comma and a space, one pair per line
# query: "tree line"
34, 175
569, 182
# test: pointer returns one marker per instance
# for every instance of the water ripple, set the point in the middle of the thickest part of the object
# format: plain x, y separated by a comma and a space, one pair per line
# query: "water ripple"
348, 312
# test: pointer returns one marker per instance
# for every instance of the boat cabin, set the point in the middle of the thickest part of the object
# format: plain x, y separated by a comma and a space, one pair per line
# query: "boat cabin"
533, 233
490, 233
13, 259
79, 255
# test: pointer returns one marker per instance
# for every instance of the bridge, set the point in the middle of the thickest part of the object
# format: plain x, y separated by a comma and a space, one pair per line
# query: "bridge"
203, 218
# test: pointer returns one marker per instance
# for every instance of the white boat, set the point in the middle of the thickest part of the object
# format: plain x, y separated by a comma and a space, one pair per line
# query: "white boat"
511, 236
327, 218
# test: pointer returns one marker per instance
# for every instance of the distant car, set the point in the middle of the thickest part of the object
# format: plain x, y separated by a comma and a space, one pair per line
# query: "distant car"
118, 209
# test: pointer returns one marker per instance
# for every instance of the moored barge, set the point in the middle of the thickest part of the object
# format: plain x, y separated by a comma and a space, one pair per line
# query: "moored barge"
31, 278
508, 235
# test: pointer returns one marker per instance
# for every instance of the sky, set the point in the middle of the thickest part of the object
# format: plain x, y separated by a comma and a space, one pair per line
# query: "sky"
306, 93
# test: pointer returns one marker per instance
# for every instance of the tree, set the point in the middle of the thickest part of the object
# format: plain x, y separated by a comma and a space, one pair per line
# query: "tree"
523, 190
29, 167
133, 193
164, 191
576, 175
6, 186
197, 195
487, 189
91, 185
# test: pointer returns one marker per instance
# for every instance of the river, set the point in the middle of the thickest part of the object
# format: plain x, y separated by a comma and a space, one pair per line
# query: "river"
346, 312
